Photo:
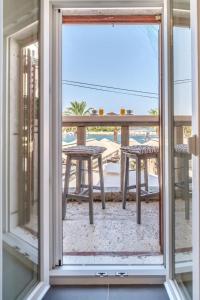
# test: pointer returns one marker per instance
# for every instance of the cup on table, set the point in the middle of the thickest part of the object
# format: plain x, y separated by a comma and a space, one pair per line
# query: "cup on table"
122, 111
101, 111
129, 111
94, 111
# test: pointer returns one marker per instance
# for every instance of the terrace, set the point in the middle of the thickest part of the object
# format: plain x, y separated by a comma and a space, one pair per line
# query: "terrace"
108, 240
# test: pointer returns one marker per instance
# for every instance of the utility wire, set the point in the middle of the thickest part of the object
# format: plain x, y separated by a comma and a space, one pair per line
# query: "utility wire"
105, 88
110, 91
109, 87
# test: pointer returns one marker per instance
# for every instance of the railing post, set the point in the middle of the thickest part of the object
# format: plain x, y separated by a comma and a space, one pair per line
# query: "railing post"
81, 140
124, 142
81, 135
178, 135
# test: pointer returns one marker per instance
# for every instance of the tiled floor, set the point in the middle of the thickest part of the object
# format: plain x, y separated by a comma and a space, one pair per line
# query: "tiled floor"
141, 292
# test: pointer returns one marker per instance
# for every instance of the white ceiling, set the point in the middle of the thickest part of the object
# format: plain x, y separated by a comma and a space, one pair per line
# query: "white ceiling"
19, 14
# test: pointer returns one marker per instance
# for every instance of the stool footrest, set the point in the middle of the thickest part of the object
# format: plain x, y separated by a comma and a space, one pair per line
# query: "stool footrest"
147, 194
95, 187
77, 197
130, 187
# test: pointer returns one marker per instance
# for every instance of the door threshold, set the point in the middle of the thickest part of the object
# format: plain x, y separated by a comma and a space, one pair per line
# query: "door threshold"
113, 274
106, 259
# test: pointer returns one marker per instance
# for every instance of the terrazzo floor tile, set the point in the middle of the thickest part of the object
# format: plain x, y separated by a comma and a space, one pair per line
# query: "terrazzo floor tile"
116, 237
114, 229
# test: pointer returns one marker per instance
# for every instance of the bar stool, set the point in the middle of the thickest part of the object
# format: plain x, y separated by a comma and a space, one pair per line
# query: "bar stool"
182, 152
81, 154
139, 153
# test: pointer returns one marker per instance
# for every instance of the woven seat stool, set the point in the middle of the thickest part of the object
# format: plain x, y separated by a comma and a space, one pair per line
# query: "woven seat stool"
138, 153
182, 153
81, 154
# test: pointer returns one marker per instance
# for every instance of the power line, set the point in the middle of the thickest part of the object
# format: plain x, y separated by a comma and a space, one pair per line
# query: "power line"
183, 81
105, 88
110, 91
180, 80
109, 87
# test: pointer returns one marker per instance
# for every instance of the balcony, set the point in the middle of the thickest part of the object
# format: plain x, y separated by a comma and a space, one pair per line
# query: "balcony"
115, 236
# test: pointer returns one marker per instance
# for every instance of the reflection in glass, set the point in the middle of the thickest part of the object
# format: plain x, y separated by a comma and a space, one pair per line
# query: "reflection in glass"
21, 89
182, 157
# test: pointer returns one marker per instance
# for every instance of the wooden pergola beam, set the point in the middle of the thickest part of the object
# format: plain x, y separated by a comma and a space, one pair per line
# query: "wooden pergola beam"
110, 19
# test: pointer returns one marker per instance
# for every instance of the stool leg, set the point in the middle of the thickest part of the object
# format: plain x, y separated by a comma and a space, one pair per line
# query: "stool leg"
146, 174
186, 191
158, 170
125, 181
66, 186
78, 176
138, 189
101, 181
90, 188
146, 177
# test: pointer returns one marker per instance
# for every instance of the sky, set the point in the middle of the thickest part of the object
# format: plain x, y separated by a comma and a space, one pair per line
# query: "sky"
124, 57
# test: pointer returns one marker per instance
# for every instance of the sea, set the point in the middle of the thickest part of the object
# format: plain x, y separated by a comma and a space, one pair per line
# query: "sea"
70, 138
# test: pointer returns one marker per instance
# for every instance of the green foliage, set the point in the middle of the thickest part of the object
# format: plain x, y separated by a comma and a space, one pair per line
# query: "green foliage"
154, 112
77, 108
187, 131
102, 129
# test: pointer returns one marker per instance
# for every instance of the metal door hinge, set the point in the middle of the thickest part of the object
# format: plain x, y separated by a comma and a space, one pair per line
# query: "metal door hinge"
192, 145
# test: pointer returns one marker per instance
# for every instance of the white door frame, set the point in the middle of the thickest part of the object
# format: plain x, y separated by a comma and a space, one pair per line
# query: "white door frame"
195, 28
171, 284
56, 116
1, 139
56, 138
44, 143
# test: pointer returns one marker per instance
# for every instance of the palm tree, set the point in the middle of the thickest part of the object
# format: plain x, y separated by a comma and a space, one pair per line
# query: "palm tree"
153, 112
78, 108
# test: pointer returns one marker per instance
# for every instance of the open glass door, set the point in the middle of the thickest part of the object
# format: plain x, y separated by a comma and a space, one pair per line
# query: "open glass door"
182, 164
21, 146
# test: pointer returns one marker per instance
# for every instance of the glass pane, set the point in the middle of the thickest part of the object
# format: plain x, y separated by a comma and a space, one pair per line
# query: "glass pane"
182, 158
21, 89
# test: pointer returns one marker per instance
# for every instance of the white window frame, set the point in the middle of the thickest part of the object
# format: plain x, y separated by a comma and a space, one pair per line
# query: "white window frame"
43, 285
154, 271
195, 28
1, 138
171, 284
